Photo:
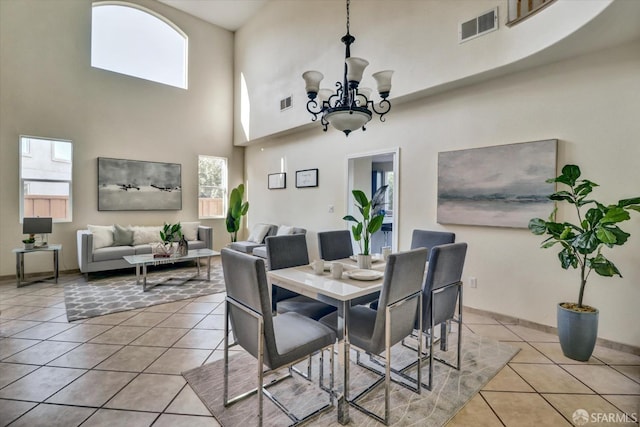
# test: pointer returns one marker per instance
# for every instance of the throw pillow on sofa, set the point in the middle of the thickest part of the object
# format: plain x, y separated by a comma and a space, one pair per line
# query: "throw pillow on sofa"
258, 232
102, 235
143, 235
284, 230
122, 236
190, 230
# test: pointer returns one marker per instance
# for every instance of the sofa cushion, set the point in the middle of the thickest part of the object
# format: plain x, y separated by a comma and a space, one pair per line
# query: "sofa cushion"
146, 234
260, 251
258, 232
102, 235
190, 230
122, 236
246, 247
143, 249
112, 252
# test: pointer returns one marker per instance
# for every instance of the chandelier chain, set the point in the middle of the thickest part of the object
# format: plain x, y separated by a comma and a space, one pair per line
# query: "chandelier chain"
348, 3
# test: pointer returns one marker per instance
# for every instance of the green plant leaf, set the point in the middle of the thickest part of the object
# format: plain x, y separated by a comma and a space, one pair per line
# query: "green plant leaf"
630, 203
375, 224
567, 258
606, 236
537, 226
620, 236
570, 173
603, 266
615, 214
563, 195
360, 197
586, 242
349, 218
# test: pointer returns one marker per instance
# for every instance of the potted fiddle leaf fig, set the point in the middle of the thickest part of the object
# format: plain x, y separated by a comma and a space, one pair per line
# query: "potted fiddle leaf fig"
372, 217
236, 211
582, 247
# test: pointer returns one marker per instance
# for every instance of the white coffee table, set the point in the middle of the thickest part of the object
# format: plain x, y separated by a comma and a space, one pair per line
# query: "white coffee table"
142, 261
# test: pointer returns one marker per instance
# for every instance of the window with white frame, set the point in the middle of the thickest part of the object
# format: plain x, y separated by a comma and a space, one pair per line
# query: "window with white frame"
132, 40
45, 178
212, 187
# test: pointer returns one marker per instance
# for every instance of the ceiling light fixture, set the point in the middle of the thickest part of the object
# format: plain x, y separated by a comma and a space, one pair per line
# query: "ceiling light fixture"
349, 108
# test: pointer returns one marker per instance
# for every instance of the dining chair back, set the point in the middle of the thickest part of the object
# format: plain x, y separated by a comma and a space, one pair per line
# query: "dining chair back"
274, 341
335, 244
442, 294
429, 238
375, 331
291, 251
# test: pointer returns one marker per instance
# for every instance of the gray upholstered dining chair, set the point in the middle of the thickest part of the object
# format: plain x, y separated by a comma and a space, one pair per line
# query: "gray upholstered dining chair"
428, 238
335, 244
275, 341
291, 251
441, 294
376, 331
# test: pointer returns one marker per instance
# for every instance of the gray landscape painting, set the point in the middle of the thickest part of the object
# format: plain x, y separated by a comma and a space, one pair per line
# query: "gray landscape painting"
502, 186
133, 185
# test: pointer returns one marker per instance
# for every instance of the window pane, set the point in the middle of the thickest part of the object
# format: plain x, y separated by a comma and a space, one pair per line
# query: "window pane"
131, 41
45, 176
47, 199
212, 190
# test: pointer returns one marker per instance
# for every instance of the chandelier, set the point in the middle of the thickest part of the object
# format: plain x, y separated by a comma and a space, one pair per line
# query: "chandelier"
349, 107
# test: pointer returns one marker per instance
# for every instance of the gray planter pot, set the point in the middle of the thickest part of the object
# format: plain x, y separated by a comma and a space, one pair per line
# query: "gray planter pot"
577, 332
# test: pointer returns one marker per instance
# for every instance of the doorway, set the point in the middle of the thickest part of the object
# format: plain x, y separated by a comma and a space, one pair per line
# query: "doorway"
367, 172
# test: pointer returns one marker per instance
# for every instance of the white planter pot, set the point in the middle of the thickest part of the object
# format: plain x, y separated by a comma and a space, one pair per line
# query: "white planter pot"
364, 261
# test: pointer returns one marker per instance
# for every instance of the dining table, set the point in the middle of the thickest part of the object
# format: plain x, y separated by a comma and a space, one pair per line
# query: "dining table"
339, 292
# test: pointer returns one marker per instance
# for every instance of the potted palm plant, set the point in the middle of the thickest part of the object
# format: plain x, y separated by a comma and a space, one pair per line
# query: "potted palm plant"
581, 247
372, 217
236, 211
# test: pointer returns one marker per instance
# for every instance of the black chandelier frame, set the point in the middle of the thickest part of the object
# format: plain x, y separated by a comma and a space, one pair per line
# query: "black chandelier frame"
347, 97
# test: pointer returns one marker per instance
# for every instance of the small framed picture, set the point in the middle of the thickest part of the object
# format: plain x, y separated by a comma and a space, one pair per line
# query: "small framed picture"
277, 181
307, 178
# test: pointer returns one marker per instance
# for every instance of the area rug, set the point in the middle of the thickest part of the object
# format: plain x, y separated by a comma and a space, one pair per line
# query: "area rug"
114, 292
482, 359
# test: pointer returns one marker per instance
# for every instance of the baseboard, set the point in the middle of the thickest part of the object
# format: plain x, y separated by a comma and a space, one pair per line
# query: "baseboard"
549, 329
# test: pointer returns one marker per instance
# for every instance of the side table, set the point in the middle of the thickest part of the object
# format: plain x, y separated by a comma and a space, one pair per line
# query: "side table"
20, 252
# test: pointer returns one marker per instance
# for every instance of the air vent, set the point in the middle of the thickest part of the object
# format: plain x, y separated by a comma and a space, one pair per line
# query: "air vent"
479, 25
285, 103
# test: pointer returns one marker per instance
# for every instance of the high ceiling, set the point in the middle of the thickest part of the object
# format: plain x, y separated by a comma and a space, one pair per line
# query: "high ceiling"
228, 14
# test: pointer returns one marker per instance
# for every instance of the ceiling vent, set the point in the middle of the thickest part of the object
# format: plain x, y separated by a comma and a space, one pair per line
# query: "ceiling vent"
285, 103
479, 25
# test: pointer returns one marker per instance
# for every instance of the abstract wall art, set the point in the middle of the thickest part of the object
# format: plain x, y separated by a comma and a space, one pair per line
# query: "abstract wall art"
501, 186
134, 185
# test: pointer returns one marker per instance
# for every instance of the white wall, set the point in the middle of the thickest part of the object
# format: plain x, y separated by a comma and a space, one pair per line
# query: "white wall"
590, 104
416, 38
50, 90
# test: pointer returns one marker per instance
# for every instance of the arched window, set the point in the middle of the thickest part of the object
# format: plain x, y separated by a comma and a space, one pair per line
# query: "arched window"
131, 40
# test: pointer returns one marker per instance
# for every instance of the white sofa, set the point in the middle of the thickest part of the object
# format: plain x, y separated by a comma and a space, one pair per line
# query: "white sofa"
100, 253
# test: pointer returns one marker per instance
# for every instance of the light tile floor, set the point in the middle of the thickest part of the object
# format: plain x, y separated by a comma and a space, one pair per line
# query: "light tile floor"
124, 368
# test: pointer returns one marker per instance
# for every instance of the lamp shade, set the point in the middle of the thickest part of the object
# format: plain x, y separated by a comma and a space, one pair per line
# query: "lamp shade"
383, 78
355, 68
348, 120
312, 81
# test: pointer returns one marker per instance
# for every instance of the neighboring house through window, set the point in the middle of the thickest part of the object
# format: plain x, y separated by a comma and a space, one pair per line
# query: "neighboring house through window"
45, 178
129, 39
212, 187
